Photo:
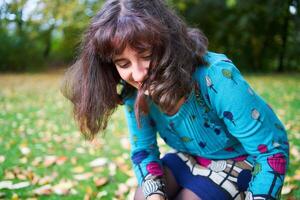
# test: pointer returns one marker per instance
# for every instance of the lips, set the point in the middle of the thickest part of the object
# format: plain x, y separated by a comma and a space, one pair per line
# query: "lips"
139, 84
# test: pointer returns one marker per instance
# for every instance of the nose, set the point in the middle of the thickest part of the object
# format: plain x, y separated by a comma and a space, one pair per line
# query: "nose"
139, 72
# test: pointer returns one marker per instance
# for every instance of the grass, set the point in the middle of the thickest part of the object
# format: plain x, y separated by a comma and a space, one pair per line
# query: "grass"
36, 122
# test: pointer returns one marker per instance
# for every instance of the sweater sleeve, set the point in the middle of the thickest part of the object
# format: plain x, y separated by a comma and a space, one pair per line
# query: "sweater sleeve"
144, 151
252, 121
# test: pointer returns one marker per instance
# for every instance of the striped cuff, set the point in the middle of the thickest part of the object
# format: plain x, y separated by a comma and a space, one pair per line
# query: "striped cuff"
153, 185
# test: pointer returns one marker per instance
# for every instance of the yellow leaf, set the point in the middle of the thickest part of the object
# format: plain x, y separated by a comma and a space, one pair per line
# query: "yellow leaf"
78, 169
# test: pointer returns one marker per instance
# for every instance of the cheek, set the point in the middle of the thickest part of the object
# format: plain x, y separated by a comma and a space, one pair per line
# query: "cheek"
125, 74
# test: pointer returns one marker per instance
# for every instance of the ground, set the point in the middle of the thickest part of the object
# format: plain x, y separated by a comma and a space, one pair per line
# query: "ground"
43, 155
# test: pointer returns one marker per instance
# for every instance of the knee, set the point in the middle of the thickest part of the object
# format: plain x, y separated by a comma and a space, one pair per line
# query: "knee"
139, 195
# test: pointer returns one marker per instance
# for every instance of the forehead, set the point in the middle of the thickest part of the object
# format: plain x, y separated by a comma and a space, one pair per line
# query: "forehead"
129, 51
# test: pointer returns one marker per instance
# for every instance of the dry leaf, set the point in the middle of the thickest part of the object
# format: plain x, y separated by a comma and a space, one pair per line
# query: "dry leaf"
112, 167
44, 190
61, 160
286, 189
102, 194
125, 143
15, 197
297, 175
49, 160
2, 159
21, 176
89, 190
132, 182
20, 185
9, 175
62, 188
5, 184
100, 181
80, 150
122, 189
24, 150
83, 176
131, 193
86, 197
74, 160
78, 169
295, 152
23, 160
99, 162
11, 186
36, 161
45, 180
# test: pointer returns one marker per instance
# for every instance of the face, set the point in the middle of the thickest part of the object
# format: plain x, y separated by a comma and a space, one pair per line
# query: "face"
133, 66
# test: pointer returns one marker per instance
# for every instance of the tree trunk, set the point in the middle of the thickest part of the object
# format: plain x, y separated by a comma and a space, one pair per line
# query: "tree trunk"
284, 36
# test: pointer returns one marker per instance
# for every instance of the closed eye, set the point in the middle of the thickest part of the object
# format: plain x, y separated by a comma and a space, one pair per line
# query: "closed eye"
123, 66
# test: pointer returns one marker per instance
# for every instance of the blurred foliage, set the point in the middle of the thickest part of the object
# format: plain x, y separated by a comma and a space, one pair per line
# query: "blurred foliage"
257, 35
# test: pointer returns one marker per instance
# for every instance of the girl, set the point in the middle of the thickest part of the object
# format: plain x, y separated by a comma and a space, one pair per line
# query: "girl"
228, 142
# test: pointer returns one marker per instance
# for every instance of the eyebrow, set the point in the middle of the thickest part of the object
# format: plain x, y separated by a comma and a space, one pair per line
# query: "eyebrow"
119, 59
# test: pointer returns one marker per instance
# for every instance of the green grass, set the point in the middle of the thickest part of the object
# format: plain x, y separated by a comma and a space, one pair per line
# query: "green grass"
35, 115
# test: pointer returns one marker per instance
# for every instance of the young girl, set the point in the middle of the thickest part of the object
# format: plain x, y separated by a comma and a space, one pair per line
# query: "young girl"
228, 142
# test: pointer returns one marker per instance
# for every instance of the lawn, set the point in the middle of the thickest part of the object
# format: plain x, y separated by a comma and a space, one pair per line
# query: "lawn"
43, 156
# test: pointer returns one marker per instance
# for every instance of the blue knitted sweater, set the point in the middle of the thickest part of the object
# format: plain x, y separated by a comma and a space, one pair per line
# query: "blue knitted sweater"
222, 118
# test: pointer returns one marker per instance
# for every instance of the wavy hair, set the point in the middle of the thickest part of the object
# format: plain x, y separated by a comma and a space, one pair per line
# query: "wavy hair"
91, 83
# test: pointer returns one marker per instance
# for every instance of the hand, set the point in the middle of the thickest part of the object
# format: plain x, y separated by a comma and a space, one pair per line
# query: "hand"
156, 197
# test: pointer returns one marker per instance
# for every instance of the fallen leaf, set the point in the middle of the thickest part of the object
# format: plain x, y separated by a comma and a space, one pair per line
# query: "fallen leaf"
44, 190
131, 182
23, 160
286, 189
20, 185
73, 160
295, 152
80, 150
122, 189
45, 180
61, 160
102, 194
2, 159
49, 160
63, 187
125, 143
131, 193
24, 150
100, 181
88, 190
78, 169
11, 186
84, 176
9, 175
297, 175
98, 162
36, 161
5, 184
112, 167
15, 197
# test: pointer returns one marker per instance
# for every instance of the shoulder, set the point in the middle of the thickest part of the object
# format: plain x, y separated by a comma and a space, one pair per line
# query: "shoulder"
217, 64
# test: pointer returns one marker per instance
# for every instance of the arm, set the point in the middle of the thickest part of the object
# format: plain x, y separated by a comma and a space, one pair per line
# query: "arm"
249, 119
145, 154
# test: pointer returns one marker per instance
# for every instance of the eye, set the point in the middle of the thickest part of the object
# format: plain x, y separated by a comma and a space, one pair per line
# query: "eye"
123, 66
147, 56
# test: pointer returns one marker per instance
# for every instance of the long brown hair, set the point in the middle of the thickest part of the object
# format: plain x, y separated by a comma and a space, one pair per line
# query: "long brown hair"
91, 83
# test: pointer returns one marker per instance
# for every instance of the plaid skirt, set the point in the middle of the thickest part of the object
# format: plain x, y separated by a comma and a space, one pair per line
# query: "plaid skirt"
211, 179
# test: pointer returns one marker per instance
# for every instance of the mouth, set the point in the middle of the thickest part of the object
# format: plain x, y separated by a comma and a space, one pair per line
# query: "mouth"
139, 84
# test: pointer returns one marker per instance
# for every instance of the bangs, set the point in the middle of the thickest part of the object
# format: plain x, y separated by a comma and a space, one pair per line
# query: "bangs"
134, 31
